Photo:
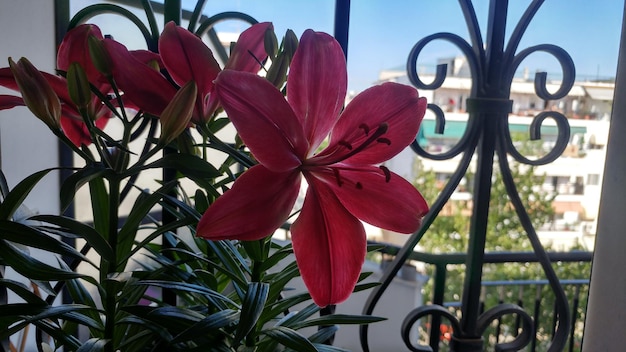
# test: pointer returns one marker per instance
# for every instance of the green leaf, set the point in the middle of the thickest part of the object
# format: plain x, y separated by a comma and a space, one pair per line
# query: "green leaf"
290, 338
16, 196
212, 322
88, 233
84, 320
220, 301
201, 201
140, 209
30, 237
277, 257
93, 345
292, 321
251, 309
31, 267
187, 164
339, 319
75, 181
283, 305
280, 279
218, 124
39, 315
62, 338
4, 186
324, 334
254, 249
22, 291
100, 206
366, 286
326, 348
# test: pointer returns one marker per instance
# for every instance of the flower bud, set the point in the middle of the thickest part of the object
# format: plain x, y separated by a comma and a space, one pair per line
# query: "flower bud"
37, 92
271, 43
290, 43
78, 85
100, 56
277, 73
176, 116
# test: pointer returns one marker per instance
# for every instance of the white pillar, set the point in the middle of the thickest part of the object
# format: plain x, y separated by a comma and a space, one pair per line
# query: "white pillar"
606, 310
27, 29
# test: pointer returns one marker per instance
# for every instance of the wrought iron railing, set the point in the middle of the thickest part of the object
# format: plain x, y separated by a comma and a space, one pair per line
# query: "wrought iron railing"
492, 62
532, 295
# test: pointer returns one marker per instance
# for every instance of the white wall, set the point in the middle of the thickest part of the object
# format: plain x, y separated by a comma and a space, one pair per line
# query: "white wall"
26, 144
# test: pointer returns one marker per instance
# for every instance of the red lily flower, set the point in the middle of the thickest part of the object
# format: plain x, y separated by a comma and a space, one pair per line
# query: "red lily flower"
344, 185
186, 58
72, 49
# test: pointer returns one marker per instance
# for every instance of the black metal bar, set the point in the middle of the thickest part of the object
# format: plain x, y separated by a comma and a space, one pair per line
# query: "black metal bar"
536, 314
438, 297
172, 11
342, 24
575, 303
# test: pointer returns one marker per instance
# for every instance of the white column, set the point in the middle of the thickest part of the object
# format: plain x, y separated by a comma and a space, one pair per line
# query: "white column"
26, 145
606, 312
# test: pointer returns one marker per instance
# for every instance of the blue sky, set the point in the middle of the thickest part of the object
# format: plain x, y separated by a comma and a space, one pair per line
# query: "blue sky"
382, 32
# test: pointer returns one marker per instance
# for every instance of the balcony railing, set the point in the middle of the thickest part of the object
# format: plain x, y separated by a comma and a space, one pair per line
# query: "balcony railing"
533, 295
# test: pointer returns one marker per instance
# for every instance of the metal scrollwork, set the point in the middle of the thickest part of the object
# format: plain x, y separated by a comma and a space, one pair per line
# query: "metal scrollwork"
492, 67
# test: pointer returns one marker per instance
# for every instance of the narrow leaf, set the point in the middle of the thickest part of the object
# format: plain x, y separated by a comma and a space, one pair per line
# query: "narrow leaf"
88, 233
75, 181
93, 345
251, 309
290, 338
31, 267
16, 196
30, 237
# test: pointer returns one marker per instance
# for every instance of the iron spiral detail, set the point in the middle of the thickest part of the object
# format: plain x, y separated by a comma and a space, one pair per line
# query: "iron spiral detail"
487, 138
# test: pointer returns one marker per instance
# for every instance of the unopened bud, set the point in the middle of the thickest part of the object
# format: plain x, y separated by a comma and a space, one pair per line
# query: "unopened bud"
277, 73
290, 43
100, 56
78, 85
37, 92
271, 43
176, 116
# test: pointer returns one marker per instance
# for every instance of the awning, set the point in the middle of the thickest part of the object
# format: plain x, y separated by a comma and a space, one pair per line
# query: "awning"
454, 130
603, 94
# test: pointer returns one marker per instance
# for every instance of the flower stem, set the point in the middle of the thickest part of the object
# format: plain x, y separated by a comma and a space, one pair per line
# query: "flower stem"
110, 304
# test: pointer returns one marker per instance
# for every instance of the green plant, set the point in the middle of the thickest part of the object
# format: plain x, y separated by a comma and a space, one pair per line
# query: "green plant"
144, 280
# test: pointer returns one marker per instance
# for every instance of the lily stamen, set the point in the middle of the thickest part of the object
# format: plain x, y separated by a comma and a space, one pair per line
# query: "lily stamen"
381, 130
386, 172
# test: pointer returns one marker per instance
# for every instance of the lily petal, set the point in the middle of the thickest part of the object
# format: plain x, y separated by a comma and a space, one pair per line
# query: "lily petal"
249, 50
73, 49
259, 202
10, 101
263, 119
187, 58
329, 244
317, 84
396, 105
378, 197
143, 85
